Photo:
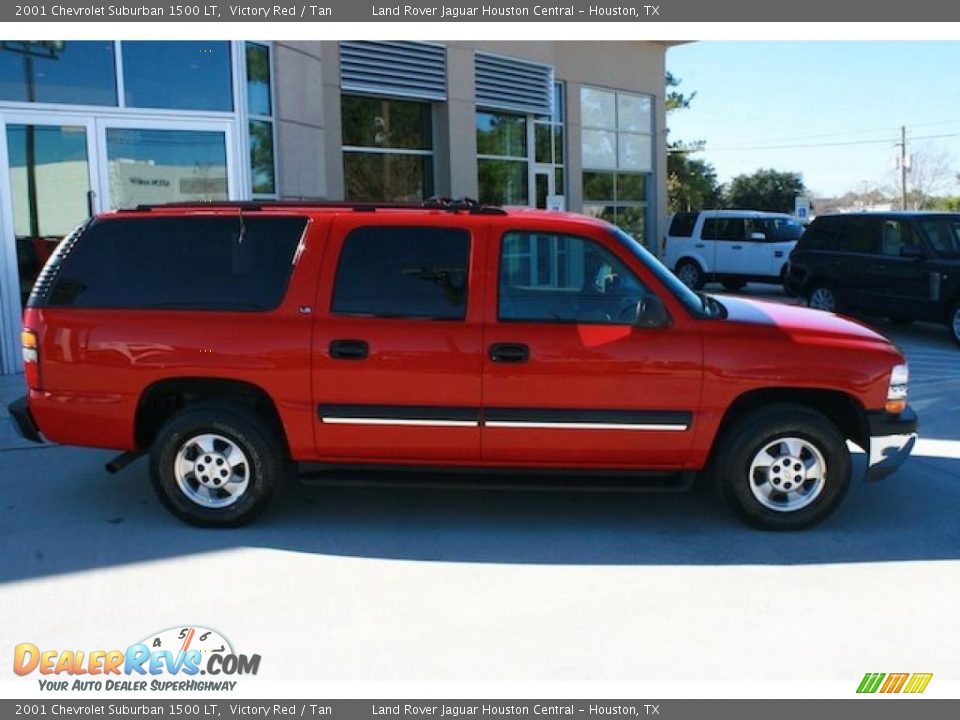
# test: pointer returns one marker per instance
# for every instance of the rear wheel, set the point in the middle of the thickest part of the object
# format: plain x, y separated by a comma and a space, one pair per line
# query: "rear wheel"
217, 465
784, 467
690, 274
822, 297
954, 323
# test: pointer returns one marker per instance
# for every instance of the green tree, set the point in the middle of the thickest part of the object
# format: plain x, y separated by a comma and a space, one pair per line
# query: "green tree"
691, 183
770, 190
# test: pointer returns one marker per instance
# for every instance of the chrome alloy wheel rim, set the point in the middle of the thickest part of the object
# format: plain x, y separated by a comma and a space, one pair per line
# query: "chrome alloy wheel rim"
955, 323
823, 299
211, 470
787, 474
687, 274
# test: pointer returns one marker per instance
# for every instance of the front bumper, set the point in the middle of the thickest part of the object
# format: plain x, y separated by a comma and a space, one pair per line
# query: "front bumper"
892, 438
23, 420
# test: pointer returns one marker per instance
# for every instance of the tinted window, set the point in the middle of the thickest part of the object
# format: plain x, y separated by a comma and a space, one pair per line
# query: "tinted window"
411, 272
200, 263
894, 235
861, 234
723, 229
682, 225
823, 234
943, 233
559, 278
777, 229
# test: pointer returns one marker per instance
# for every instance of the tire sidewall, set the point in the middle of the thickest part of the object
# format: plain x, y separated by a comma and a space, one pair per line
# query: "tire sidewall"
698, 283
828, 288
751, 437
952, 324
249, 437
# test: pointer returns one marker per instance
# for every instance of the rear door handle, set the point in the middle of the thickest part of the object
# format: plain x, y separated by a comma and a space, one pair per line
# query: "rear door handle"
699, 245
778, 253
736, 247
349, 349
509, 353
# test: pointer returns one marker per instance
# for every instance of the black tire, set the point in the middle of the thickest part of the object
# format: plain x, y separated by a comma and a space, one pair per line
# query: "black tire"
267, 464
953, 323
690, 274
745, 440
733, 285
819, 291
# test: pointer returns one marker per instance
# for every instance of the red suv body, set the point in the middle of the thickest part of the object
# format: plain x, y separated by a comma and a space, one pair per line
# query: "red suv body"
233, 341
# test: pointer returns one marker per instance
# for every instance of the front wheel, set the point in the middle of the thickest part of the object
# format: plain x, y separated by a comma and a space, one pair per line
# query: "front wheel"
784, 467
217, 465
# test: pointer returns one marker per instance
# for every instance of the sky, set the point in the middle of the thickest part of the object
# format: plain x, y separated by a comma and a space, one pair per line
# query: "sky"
843, 102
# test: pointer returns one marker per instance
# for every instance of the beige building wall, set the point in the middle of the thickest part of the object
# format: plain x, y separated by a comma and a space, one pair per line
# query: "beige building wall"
310, 162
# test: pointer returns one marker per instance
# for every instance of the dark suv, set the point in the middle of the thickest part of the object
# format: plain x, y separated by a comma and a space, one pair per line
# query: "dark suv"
902, 265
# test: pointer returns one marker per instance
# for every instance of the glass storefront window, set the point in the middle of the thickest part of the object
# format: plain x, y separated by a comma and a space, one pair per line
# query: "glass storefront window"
49, 181
258, 79
65, 72
503, 182
186, 75
151, 166
387, 177
389, 124
387, 154
261, 157
501, 134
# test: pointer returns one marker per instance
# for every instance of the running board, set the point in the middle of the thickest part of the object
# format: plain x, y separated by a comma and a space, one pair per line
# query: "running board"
336, 475
122, 460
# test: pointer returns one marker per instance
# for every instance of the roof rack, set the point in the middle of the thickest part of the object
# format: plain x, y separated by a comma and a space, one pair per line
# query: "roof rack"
468, 205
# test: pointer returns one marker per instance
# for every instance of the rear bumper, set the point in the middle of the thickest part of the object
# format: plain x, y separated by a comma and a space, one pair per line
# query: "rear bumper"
23, 420
892, 438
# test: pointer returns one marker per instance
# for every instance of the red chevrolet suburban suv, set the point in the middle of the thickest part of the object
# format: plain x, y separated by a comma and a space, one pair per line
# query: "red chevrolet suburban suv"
232, 341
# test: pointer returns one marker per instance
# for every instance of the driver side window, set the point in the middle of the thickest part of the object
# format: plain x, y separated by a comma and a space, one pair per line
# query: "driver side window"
562, 278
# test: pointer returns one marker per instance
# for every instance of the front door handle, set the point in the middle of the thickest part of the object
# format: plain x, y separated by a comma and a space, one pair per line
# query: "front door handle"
736, 247
509, 353
349, 349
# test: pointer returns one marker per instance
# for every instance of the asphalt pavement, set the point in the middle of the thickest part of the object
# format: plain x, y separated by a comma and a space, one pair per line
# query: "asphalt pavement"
398, 584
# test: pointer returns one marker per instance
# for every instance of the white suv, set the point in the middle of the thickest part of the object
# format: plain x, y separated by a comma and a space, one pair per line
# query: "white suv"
732, 246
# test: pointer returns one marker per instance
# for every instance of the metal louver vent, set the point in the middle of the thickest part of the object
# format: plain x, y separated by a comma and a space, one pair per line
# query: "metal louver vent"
513, 85
402, 69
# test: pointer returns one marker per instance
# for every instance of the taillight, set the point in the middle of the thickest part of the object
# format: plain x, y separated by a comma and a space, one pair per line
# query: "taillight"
31, 358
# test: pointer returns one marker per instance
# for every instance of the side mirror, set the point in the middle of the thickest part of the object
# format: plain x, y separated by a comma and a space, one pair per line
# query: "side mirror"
912, 251
758, 236
652, 313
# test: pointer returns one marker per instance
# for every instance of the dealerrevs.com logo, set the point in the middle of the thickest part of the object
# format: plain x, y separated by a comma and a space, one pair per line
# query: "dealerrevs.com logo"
173, 659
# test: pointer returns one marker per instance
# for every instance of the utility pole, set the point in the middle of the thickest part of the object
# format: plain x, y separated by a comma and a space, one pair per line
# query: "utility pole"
903, 167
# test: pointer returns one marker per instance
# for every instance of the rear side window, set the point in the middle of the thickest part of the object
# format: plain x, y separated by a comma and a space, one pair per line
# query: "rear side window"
852, 233
406, 272
723, 229
683, 224
192, 263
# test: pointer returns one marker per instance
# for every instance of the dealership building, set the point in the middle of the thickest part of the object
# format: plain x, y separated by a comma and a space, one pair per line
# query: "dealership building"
88, 126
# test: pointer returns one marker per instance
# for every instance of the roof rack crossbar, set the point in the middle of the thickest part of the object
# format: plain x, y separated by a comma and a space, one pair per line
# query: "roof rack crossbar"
434, 203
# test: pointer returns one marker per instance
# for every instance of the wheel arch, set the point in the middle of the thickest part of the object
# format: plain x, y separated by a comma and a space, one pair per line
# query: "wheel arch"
841, 408
161, 400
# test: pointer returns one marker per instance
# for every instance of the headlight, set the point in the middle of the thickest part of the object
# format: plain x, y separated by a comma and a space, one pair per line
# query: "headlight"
897, 392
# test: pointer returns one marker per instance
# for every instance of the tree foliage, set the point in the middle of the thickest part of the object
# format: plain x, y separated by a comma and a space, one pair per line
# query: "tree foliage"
691, 183
768, 189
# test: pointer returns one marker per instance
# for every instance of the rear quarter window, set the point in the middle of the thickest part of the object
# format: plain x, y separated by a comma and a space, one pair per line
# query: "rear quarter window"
683, 224
192, 263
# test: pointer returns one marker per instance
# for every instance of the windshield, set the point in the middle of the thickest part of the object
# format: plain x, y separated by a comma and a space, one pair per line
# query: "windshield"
696, 304
943, 233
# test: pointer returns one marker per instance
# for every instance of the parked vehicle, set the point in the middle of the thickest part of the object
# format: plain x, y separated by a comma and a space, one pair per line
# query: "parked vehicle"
902, 265
733, 247
232, 341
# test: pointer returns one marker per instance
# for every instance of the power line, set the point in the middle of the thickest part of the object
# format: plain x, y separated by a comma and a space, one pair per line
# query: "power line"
886, 141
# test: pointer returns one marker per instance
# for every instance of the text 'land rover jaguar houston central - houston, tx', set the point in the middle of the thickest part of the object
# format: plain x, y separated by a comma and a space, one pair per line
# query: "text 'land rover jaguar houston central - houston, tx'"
233, 341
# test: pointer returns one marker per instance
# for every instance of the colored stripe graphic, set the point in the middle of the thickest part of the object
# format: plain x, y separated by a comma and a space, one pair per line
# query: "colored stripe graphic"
918, 683
870, 682
894, 683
